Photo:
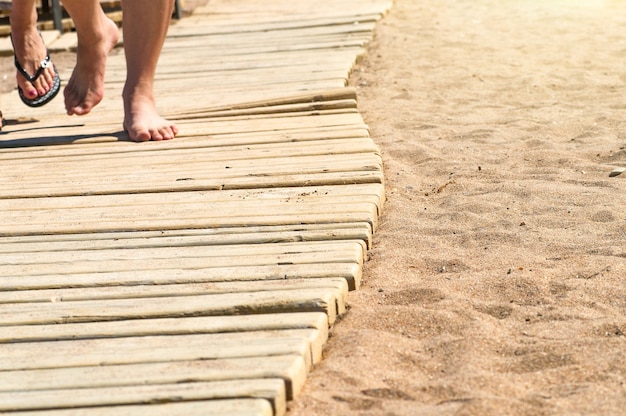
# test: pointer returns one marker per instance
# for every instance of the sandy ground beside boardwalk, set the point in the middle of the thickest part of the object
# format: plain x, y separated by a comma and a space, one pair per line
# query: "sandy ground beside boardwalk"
497, 282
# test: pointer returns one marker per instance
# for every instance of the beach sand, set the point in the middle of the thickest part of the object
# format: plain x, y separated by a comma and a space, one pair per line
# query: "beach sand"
497, 280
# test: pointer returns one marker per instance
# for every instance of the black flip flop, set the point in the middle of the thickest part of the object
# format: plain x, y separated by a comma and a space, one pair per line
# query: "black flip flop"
56, 84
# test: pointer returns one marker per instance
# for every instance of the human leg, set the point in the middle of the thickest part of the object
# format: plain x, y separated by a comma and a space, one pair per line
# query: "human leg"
145, 27
97, 36
30, 51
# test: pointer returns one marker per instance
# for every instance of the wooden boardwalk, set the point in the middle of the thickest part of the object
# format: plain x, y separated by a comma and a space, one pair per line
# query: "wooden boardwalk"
201, 275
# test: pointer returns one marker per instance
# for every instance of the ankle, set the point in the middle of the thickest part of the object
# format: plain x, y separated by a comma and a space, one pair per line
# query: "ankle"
22, 20
96, 30
138, 92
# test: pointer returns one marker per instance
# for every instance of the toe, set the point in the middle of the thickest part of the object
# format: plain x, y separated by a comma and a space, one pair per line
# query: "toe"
155, 134
170, 133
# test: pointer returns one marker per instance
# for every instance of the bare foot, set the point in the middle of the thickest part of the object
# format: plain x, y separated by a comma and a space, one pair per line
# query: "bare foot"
142, 120
30, 51
85, 88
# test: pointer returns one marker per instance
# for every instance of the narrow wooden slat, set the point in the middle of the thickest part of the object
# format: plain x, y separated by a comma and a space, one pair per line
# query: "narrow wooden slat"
153, 291
184, 238
329, 301
347, 250
225, 164
207, 236
290, 368
176, 274
367, 175
297, 44
285, 61
239, 126
223, 129
152, 349
100, 143
272, 390
297, 202
282, 30
314, 98
167, 326
219, 151
342, 172
102, 140
301, 153
282, 10
163, 269
311, 194
234, 407
65, 222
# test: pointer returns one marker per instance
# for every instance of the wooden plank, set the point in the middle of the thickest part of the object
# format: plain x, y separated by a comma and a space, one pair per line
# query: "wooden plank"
208, 236
307, 152
101, 143
196, 170
260, 77
239, 127
290, 368
189, 236
264, 43
222, 131
66, 221
225, 94
188, 201
178, 274
153, 291
268, 123
230, 175
153, 349
329, 301
167, 326
255, 253
365, 168
257, 235
272, 390
220, 94
365, 216
192, 250
204, 62
273, 195
121, 194
313, 98
282, 29
234, 407
185, 183
189, 205
282, 10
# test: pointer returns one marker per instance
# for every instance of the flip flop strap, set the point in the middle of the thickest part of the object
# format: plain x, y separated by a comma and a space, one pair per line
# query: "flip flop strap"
45, 63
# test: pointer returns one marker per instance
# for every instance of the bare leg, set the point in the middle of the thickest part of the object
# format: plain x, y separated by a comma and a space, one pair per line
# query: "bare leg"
29, 48
97, 36
145, 27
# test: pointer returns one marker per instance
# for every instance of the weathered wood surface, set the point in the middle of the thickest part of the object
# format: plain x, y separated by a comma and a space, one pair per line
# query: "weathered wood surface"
201, 275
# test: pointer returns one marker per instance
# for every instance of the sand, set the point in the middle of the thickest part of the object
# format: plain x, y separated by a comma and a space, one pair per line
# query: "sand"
496, 284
